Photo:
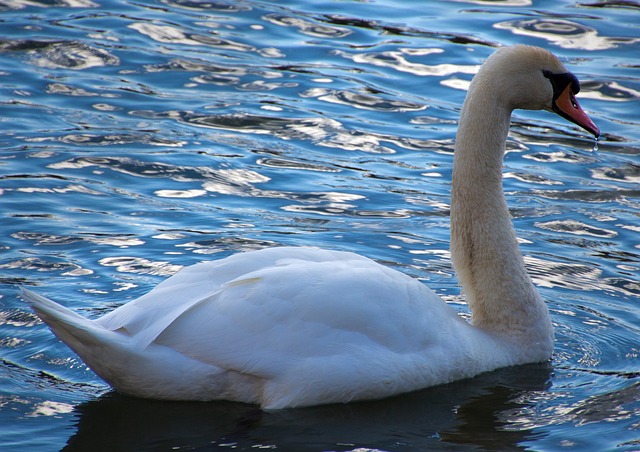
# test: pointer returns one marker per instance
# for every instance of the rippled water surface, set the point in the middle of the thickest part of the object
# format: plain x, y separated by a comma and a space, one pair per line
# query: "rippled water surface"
138, 137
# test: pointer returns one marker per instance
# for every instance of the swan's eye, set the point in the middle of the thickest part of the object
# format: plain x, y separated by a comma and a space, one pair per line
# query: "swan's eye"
574, 103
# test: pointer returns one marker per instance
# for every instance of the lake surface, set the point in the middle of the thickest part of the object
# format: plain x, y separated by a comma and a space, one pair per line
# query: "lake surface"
138, 137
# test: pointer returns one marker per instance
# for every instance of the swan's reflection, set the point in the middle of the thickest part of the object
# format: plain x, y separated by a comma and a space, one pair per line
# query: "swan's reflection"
473, 412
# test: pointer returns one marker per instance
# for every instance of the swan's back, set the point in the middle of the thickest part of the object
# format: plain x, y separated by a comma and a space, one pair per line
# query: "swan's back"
296, 284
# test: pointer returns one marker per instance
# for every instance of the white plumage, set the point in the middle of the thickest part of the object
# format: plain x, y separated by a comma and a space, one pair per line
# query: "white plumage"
296, 326
284, 326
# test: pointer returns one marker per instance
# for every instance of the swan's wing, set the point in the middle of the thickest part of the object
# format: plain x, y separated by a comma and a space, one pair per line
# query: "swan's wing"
266, 321
145, 318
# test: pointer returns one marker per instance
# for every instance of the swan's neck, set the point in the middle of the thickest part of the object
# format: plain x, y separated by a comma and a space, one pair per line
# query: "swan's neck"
484, 247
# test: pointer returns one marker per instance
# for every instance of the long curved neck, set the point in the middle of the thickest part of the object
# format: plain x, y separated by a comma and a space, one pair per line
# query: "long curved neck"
484, 247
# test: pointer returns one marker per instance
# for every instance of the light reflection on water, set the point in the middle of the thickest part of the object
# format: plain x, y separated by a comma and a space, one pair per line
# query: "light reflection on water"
142, 137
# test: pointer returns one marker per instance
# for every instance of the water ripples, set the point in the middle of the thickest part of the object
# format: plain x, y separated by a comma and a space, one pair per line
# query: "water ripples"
140, 138
565, 33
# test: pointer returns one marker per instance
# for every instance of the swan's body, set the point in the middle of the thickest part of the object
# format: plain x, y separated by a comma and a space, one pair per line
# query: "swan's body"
288, 326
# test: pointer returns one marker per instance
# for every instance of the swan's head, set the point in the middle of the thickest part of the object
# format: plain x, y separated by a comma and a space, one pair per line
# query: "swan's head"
533, 78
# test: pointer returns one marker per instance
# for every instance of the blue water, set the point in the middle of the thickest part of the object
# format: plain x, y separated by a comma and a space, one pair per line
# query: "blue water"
137, 137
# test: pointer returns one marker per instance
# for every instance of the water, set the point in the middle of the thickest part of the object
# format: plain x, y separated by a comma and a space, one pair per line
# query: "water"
138, 137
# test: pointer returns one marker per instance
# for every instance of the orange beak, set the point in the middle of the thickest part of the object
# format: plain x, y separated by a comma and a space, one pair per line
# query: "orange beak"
567, 106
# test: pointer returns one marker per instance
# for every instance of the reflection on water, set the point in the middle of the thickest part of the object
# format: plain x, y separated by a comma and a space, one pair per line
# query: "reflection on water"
497, 411
398, 61
565, 33
482, 412
140, 137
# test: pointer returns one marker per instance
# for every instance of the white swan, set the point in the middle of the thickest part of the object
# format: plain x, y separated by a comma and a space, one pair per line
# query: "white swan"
285, 327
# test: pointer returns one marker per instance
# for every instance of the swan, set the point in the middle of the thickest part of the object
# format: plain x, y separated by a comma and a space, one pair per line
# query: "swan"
300, 326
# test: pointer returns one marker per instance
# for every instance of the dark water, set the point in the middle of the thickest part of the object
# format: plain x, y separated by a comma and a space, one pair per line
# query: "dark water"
138, 137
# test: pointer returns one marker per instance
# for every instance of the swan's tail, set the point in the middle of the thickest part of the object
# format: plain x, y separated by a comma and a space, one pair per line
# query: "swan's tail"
154, 371
98, 347
108, 353
70, 327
